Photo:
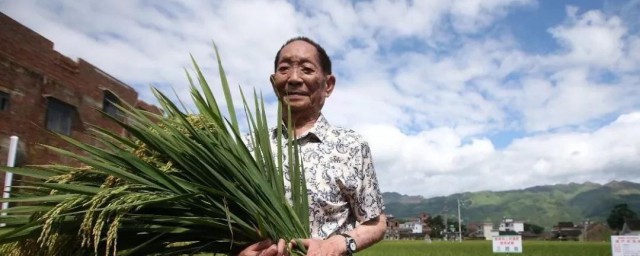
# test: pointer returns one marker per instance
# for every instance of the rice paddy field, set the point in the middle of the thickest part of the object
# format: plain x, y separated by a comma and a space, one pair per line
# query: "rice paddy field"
483, 248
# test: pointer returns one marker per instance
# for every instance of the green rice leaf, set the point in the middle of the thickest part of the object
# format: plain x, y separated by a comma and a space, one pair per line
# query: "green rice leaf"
175, 184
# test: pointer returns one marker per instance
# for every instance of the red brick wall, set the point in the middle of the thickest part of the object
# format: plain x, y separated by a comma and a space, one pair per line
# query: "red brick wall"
30, 71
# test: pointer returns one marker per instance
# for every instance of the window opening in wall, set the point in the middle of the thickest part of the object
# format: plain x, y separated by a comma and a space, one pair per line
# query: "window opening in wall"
59, 116
4, 101
109, 104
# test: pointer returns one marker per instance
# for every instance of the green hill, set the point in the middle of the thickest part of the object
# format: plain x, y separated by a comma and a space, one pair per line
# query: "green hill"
541, 205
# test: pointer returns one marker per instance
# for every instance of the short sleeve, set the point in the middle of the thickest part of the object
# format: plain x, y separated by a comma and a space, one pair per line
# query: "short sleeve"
368, 202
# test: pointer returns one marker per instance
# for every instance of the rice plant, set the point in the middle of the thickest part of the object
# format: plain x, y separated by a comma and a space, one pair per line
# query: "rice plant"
181, 183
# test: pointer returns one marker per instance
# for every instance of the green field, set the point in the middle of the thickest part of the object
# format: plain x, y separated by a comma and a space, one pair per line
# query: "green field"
483, 248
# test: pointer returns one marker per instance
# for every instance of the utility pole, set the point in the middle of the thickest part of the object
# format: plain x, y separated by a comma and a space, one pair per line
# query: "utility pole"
459, 224
444, 213
586, 230
465, 203
446, 218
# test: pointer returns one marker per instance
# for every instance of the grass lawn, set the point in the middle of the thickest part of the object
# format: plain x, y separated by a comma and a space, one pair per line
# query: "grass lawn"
483, 248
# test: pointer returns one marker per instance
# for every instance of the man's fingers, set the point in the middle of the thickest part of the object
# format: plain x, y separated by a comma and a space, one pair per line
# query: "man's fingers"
296, 243
272, 250
281, 247
306, 242
260, 245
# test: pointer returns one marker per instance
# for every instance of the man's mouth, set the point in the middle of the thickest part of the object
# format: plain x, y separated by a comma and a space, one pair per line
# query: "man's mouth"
294, 93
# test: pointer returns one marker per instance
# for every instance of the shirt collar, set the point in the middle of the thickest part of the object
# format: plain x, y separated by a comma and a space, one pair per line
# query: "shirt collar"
317, 133
320, 129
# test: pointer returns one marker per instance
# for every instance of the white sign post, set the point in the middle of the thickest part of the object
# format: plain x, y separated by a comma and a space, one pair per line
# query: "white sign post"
507, 244
8, 177
625, 245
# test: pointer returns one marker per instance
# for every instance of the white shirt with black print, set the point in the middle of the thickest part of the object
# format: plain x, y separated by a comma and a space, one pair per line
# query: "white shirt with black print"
341, 180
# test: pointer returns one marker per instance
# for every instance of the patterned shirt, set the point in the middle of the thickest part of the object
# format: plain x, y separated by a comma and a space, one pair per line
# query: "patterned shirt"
341, 180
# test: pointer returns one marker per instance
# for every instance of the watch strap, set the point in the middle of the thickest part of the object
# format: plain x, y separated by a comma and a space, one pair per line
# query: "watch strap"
348, 242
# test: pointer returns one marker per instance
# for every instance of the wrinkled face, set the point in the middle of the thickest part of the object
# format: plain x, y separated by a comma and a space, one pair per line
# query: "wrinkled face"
299, 80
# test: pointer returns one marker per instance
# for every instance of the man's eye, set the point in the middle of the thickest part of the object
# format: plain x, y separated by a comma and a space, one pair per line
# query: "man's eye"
307, 70
283, 68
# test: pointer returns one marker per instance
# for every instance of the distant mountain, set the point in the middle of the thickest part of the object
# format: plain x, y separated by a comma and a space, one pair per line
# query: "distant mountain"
541, 205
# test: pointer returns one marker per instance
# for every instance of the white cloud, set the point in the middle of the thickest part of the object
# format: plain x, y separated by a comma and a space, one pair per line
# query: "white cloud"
470, 16
437, 162
568, 98
590, 39
402, 18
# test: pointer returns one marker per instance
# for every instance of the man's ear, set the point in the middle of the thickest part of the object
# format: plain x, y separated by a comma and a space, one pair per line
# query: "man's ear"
330, 85
272, 79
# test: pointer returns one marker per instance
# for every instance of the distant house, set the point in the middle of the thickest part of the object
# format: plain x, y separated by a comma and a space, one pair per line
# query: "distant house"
474, 230
506, 227
417, 228
511, 225
424, 219
487, 231
566, 231
414, 226
393, 228
631, 227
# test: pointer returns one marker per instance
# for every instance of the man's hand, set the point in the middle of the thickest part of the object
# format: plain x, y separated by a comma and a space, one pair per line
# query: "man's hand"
332, 246
265, 248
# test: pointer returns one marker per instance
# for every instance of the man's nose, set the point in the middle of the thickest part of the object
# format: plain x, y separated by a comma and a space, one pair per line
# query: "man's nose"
294, 77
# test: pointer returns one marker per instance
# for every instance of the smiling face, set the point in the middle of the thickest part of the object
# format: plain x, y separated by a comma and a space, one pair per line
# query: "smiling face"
299, 80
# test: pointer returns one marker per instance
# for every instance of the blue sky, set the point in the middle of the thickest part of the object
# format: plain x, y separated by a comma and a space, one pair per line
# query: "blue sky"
452, 96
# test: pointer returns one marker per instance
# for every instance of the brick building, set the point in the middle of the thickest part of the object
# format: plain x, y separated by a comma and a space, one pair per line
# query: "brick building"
42, 91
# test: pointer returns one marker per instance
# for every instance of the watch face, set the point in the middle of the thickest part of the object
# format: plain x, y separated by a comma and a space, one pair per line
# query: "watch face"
352, 246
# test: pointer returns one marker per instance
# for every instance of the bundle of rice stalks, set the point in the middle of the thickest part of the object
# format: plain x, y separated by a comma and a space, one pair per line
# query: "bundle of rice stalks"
180, 184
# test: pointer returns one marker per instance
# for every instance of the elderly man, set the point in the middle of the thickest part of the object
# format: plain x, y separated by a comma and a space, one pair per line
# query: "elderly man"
346, 208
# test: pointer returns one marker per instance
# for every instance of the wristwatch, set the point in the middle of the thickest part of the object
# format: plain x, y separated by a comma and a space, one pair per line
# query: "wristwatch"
351, 244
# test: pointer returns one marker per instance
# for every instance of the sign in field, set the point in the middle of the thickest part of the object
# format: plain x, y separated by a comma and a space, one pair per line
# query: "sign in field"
625, 245
507, 244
